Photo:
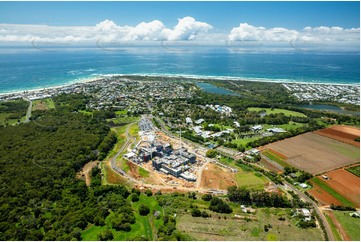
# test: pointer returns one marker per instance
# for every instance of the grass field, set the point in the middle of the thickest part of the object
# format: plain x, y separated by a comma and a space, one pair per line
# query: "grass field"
354, 170
335, 232
245, 141
111, 177
250, 180
351, 225
123, 120
142, 172
232, 229
133, 131
245, 175
276, 158
120, 131
277, 110
43, 104
332, 192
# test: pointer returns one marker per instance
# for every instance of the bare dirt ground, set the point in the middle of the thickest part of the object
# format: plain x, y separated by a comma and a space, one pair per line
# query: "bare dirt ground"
346, 134
315, 153
86, 171
40, 106
322, 196
217, 177
345, 183
339, 227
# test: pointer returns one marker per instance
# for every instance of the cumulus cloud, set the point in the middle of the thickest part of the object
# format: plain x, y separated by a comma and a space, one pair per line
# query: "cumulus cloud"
247, 32
186, 29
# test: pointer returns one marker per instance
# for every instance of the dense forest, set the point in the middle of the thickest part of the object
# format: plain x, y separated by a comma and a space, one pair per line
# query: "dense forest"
41, 199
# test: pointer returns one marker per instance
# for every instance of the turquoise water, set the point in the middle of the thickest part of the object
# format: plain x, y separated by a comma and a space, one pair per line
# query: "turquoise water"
207, 87
329, 108
26, 69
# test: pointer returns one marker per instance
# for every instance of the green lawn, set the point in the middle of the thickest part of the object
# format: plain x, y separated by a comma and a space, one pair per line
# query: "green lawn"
250, 180
332, 192
335, 232
351, 225
245, 141
354, 170
277, 110
142, 172
276, 158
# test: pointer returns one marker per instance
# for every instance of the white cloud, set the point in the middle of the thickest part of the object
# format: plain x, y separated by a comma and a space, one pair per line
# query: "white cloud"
154, 30
246, 32
186, 29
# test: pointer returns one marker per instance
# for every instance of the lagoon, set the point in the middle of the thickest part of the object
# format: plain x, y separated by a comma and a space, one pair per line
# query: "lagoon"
207, 87
330, 108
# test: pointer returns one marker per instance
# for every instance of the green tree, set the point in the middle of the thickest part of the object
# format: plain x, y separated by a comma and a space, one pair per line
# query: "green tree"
211, 153
144, 210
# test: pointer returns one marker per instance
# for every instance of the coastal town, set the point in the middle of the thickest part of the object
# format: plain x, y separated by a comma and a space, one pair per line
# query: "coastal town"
122, 92
313, 92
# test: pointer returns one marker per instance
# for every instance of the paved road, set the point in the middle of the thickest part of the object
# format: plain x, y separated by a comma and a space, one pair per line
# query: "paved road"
28, 113
316, 208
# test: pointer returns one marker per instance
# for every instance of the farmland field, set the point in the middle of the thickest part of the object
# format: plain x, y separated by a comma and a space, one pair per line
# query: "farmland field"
350, 225
327, 195
345, 183
277, 110
354, 170
315, 153
341, 133
276, 157
231, 228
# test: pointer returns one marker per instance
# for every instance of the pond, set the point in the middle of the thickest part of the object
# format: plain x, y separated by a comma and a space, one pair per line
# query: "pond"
207, 87
330, 108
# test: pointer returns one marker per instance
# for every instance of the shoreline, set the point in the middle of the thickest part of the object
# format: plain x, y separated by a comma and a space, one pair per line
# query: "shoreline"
98, 77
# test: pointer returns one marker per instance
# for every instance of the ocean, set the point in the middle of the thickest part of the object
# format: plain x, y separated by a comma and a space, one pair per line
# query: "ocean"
32, 68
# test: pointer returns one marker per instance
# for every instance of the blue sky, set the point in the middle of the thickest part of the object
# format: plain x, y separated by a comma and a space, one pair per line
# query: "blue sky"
304, 23
223, 16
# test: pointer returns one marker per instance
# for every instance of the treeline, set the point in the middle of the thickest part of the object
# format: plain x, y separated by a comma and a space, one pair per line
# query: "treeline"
258, 198
291, 133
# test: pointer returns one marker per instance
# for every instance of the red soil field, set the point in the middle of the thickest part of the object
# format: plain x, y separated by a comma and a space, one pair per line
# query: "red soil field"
217, 178
345, 183
346, 134
322, 196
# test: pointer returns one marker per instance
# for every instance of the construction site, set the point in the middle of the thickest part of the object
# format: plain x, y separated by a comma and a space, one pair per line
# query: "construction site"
167, 158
